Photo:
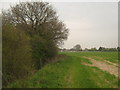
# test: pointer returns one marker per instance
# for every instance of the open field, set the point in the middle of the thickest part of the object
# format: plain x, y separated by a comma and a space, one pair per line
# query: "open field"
76, 70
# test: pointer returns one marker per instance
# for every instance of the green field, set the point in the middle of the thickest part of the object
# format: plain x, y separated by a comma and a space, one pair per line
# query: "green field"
70, 72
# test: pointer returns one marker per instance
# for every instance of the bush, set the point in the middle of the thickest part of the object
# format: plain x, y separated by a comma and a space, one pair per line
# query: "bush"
43, 51
16, 54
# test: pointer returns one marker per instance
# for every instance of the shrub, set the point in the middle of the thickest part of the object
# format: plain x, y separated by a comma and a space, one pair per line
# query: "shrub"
43, 50
16, 54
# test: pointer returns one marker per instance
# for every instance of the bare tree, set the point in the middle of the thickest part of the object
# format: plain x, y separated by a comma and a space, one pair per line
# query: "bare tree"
40, 21
37, 18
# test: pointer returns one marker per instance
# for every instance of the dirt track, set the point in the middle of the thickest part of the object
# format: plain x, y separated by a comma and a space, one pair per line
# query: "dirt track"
103, 66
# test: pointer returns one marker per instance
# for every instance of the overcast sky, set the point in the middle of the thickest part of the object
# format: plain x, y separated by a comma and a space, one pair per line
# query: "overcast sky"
91, 24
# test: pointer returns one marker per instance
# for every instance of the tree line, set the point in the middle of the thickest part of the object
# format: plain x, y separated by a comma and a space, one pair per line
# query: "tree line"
78, 48
31, 34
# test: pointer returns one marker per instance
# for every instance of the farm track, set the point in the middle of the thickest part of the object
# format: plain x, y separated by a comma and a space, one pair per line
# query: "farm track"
112, 69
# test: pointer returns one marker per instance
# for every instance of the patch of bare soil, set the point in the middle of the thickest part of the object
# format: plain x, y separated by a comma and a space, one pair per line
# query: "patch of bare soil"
115, 64
100, 58
103, 65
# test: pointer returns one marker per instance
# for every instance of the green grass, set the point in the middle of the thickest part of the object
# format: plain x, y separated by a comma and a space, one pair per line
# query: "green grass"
110, 56
70, 73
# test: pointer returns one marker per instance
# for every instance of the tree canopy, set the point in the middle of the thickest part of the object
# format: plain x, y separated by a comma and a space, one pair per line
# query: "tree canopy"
37, 18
